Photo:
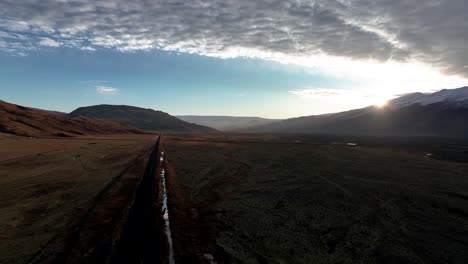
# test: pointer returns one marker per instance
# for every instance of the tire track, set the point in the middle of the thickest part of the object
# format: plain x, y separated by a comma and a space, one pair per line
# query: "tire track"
141, 239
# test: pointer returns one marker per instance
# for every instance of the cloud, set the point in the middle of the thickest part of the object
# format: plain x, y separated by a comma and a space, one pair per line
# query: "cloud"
87, 48
318, 92
349, 97
313, 33
49, 42
106, 90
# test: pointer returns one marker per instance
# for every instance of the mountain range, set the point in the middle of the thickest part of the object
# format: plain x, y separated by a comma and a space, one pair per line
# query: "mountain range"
227, 123
443, 113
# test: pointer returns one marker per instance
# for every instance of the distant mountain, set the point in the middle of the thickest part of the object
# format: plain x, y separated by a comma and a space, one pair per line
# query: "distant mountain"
24, 121
227, 123
444, 114
49, 111
146, 119
450, 97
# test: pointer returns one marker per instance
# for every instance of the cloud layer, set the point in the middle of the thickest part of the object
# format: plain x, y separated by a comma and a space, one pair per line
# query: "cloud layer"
106, 90
432, 32
353, 98
49, 42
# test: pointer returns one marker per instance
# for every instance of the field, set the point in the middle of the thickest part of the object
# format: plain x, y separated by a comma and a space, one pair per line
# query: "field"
309, 199
233, 198
51, 187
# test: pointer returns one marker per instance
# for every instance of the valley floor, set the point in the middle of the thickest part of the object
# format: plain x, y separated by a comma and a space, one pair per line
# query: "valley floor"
234, 198
305, 199
50, 187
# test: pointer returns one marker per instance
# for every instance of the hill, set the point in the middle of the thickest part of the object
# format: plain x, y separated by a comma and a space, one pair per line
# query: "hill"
442, 114
227, 123
146, 119
24, 121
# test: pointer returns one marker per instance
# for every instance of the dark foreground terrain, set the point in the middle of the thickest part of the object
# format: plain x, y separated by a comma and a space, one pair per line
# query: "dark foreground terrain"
306, 199
233, 198
62, 200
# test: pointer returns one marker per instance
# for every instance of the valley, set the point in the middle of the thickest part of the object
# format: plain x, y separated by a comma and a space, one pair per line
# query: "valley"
233, 132
277, 198
231, 198
98, 186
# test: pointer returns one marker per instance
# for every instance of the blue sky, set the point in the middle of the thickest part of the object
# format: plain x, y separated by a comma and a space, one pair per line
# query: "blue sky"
63, 79
264, 58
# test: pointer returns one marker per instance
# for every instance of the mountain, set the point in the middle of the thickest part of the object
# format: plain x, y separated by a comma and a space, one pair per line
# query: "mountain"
49, 111
146, 119
450, 97
443, 114
24, 121
227, 123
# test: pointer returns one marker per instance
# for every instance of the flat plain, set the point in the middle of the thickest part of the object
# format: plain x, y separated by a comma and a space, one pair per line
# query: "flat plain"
316, 199
239, 198
50, 186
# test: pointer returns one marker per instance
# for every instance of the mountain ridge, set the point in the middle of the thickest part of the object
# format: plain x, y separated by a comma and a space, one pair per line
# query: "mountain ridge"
25, 121
444, 95
143, 118
440, 114
227, 123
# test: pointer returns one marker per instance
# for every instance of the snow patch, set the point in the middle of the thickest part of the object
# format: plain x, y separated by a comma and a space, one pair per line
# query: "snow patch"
446, 95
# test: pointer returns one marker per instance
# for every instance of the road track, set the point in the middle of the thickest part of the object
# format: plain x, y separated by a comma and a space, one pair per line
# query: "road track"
141, 237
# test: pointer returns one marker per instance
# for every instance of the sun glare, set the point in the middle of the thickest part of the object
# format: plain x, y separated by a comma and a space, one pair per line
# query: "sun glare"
381, 103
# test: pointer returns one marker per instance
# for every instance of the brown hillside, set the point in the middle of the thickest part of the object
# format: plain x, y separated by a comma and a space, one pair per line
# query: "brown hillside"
24, 121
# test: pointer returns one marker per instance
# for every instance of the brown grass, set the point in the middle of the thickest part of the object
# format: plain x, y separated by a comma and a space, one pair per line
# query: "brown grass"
48, 185
272, 199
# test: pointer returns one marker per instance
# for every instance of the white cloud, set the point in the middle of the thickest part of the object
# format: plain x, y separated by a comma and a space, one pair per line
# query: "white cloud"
88, 48
49, 42
357, 38
352, 98
3, 34
16, 25
319, 92
106, 90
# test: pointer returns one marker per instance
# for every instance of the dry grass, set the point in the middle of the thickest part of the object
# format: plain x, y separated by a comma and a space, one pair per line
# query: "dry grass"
47, 184
272, 199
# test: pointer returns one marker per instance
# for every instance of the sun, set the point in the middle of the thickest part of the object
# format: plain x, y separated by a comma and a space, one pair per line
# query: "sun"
381, 102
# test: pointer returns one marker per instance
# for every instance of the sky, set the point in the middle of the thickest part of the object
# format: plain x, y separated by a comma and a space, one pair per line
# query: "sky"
276, 59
